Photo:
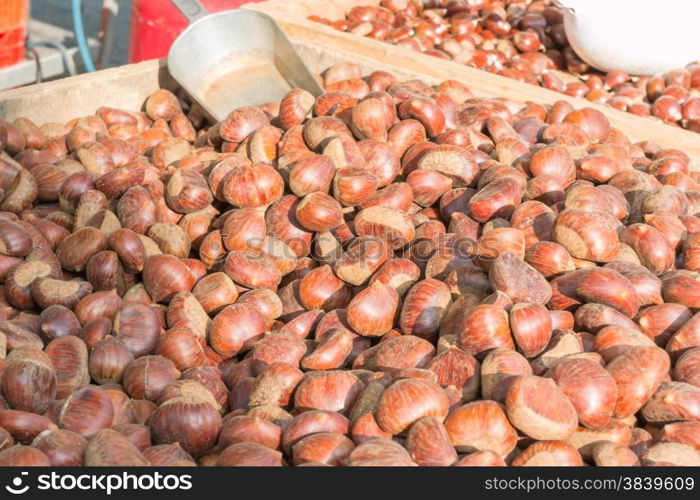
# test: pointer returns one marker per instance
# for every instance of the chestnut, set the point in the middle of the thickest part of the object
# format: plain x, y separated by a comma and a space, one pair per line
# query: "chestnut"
147, 376
459, 369
319, 212
86, 411
168, 455
48, 292
322, 289
294, 107
613, 454
110, 448
278, 347
589, 387
95, 330
537, 407
548, 453
496, 199
672, 401
593, 317
311, 422
680, 432
129, 248
302, 325
187, 190
390, 224
108, 359
15, 242
162, 104
638, 372
61, 446
19, 283
29, 380
215, 291
424, 308
23, 456
250, 429
331, 353
685, 369
408, 400
267, 182
652, 247
483, 328
400, 274
379, 452
429, 444
171, 239
249, 454
274, 385
481, 458
322, 447
138, 327
586, 235
517, 279
327, 390
396, 353
481, 426
237, 326
310, 174
69, 357
531, 326
607, 286
58, 321
674, 454
188, 420
137, 434
252, 269
24, 426
372, 311
613, 340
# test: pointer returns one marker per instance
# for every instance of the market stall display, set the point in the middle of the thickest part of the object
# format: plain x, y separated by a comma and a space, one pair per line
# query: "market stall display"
421, 266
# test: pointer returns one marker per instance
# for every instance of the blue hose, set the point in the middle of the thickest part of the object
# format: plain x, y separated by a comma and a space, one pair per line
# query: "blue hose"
80, 36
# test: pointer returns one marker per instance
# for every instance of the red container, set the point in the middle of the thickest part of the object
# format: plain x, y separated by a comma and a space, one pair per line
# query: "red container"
14, 15
155, 24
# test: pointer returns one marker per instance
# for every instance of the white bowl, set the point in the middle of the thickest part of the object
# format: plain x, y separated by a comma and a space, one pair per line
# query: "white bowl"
642, 37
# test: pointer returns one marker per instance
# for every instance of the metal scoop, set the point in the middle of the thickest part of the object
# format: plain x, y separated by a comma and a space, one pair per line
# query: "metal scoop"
235, 58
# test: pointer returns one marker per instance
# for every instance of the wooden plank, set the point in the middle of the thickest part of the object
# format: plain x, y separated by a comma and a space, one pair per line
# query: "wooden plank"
125, 87
292, 18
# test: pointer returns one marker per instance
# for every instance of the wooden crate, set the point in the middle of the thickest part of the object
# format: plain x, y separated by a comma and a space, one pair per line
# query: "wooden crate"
292, 14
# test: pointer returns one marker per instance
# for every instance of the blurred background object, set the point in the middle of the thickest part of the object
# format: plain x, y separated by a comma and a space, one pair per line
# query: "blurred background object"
155, 24
47, 39
57, 38
13, 25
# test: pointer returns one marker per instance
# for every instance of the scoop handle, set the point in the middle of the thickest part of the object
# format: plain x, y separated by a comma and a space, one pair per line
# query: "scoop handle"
193, 10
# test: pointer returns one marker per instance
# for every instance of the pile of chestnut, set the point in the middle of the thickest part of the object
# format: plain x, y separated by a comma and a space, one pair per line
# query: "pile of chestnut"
391, 273
523, 40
